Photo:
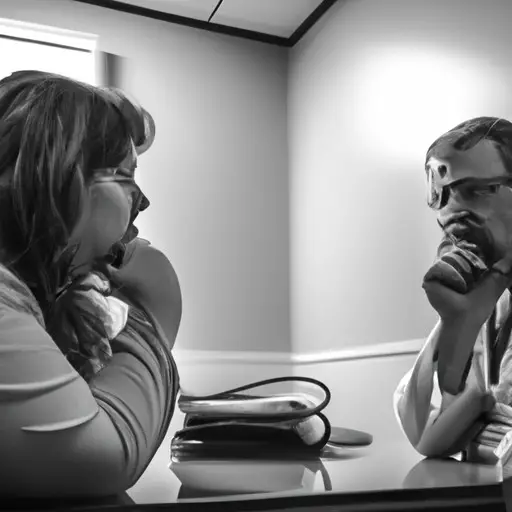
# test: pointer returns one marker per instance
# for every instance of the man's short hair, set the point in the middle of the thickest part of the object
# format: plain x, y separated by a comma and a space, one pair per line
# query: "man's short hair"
467, 134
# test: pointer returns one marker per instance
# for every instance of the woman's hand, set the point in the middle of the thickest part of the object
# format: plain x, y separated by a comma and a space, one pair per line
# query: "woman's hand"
147, 275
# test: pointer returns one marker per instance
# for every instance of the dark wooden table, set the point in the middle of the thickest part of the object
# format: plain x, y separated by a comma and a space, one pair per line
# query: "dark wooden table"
389, 475
386, 475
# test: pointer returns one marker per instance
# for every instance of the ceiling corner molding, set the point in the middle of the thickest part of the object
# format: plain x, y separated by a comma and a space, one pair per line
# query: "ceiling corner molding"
189, 22
252, 35
310, 21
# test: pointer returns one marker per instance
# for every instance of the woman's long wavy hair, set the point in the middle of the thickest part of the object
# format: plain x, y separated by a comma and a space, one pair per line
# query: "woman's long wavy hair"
54, 132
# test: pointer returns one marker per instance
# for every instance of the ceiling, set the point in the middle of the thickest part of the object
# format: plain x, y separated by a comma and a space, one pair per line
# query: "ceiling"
280, 22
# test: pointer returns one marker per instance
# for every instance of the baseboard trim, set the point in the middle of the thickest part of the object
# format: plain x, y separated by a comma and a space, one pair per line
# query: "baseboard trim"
393, 349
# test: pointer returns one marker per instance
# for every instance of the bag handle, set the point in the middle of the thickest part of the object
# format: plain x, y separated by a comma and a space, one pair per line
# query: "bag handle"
294, 414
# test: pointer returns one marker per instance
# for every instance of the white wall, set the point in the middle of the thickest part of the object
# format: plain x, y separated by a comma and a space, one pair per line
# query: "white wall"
370, 87
217, 175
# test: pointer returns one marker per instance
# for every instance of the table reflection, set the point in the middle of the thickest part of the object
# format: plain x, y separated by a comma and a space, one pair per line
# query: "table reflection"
208, 477
203, 478
435, 473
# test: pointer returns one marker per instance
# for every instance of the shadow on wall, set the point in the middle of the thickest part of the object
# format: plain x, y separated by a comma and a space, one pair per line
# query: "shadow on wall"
110, 69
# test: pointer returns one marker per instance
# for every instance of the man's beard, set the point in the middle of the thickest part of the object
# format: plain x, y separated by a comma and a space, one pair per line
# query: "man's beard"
472, 237
466, 231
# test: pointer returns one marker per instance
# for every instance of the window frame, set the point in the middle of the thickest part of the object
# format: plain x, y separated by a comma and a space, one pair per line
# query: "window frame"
56, 37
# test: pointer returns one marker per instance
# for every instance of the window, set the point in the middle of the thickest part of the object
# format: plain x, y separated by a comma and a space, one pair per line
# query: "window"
37, 47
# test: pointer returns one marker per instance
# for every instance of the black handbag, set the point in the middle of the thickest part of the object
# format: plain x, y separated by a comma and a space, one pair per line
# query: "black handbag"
269, 418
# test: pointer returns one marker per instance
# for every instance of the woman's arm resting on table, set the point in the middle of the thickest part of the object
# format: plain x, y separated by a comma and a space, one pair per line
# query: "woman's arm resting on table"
60, 436
440, 430
148, 278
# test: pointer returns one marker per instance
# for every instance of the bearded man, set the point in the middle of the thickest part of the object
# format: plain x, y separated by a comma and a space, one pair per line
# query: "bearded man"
467, 359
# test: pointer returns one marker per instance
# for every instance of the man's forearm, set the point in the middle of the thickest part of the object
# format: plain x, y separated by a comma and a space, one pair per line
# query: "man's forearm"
455, 344
455, 423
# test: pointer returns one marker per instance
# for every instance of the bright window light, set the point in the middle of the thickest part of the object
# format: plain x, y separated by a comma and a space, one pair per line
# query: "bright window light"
26, 46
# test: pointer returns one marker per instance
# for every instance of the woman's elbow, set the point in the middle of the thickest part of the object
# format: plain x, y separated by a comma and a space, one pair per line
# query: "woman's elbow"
84, 487
32, 472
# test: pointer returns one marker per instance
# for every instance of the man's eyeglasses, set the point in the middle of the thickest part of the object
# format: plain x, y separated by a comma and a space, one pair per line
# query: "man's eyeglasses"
468, 189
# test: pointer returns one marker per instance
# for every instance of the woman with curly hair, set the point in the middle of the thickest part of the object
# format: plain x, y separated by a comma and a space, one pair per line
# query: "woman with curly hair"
88, 312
